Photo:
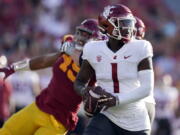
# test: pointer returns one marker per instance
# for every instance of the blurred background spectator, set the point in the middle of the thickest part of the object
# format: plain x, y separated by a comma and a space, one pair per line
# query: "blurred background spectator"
33, 27
5, 93
166, 97
26, 86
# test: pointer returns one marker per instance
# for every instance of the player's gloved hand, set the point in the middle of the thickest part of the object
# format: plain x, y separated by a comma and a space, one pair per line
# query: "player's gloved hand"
108, 100
90, 100
105, 99
95, 99
7, 71
67, 47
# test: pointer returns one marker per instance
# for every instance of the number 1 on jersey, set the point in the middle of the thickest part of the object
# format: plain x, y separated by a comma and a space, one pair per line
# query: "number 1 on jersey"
115, 77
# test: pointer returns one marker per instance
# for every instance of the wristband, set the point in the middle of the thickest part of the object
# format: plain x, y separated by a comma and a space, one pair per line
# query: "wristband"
21, 65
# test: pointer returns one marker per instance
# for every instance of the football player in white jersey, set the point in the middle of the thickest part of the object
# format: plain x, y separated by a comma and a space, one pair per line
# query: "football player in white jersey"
150, 101
124, 75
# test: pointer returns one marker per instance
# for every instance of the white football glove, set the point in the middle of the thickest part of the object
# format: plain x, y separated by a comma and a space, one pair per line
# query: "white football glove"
67, 47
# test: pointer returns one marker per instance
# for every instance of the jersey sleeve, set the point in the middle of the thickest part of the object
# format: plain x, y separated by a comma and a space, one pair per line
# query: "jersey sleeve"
86, 52
147, 51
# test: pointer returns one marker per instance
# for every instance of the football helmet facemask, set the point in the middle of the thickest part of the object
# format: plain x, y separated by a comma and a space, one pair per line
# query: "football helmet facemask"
117, 21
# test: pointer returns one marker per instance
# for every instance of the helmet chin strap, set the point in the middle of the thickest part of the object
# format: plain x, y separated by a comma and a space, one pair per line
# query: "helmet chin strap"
117, 38
124, 41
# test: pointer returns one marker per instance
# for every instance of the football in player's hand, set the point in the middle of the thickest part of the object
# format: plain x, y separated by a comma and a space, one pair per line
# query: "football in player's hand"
97, 99
90, 100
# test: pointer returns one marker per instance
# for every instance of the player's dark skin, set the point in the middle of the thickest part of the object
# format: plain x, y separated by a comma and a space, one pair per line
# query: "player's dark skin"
44, 61
48, 60
87, 71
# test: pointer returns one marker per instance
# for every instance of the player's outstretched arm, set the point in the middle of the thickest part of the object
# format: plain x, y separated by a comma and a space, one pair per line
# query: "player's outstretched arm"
44, 61
39, 62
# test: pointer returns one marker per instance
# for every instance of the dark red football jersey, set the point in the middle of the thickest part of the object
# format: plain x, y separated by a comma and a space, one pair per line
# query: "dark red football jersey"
59, 98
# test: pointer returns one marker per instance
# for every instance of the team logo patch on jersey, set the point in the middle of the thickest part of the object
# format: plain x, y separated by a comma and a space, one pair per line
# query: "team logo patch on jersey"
98, 58
115, 57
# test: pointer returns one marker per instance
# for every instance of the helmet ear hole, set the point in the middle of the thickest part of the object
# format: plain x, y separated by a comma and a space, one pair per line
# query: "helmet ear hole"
103, 28
105, 25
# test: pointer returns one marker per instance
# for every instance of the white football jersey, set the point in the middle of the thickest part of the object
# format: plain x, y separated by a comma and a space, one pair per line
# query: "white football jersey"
117, 73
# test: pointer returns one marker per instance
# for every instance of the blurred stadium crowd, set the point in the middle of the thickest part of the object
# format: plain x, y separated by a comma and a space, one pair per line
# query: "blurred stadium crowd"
35, 27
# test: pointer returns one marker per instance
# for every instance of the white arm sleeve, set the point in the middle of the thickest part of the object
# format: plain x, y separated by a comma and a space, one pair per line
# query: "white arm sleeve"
146, 78
85, 55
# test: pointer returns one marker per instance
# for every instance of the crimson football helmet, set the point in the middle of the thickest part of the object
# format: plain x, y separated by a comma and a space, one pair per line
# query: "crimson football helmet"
117, 21
87, 30
139, 29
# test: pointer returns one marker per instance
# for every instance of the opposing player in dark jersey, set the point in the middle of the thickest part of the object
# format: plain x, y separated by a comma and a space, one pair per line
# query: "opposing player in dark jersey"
54, 111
